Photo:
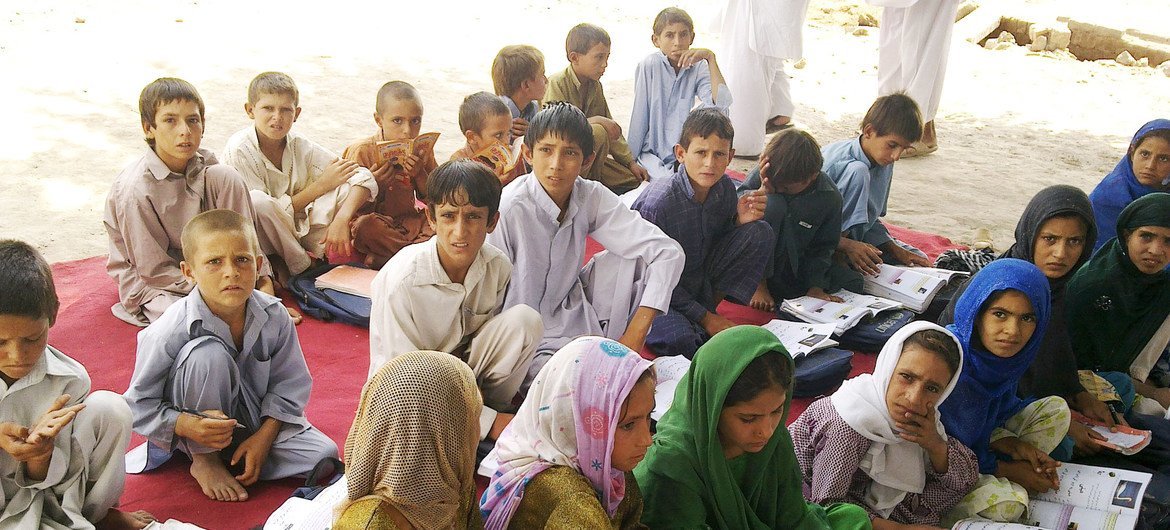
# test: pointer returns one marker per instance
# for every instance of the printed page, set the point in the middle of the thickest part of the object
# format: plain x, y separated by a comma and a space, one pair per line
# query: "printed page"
1127, 442
302, 514
980, 524
815, 310
1050, 515
424, 143
1099, 488
669, 371
912, 288
944, 274
875, 304
802, 338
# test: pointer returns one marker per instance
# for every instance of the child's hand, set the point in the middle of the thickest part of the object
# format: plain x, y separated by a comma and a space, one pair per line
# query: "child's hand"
1020, 473
214, 431
693, 55
751, 207
612, 129
501, 422
714, 323
337, 237
909, 258
52, 421
14, 441
519, 127
337, 172
1083, 437
864, 257
920, 429
254, 452
1040, 462
640, 172
409, 163
383, 174
820, 294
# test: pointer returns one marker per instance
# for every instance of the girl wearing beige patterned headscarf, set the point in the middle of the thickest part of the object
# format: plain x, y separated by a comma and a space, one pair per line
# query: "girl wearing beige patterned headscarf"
410, 454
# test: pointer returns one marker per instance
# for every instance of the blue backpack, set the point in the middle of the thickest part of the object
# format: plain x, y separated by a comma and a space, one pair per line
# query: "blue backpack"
326, 304
819, 372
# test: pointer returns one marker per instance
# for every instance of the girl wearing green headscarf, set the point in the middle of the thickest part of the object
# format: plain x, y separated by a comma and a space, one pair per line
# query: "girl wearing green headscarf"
721, 458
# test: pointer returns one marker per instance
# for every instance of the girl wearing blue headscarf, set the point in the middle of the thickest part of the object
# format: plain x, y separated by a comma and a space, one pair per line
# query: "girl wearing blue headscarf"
1000, 321
1144, 169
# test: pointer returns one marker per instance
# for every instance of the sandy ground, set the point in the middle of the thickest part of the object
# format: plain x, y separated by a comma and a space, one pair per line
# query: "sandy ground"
1010, 123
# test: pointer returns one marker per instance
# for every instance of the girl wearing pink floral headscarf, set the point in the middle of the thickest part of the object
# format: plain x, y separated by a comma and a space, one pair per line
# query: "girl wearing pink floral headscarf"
565, 460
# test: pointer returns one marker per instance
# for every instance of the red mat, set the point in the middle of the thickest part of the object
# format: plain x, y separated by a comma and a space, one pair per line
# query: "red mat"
338, 358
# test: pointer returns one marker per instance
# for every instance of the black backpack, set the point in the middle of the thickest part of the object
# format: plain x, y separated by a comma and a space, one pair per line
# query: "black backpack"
326, 304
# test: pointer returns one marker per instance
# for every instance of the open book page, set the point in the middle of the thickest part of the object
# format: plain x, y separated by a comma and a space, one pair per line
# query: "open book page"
1059, 516
980, 524
303, 514
347, 279
1099, 488
669, 371
800, 338
843, 315
875, 304
944, 274
424, 144
912, 288
499, 157
395, 151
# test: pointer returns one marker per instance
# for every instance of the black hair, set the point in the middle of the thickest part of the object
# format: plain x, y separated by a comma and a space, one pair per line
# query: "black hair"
793, 156
897, 114
467, 177
1164, 134
162, 91
563, 120
938, 343
766, 371
26, 282
672, 15
704, 123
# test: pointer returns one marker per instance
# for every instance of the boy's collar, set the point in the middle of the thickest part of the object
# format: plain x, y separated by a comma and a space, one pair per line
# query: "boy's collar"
576, 80
199, 312
864, 156
545, 202
159, 170
435, 274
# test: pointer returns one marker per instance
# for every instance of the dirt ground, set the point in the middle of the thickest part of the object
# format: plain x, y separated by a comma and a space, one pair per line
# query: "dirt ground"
1010, 122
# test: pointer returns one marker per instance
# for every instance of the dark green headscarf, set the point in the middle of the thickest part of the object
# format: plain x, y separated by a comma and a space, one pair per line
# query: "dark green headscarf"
1113, 308
752, 491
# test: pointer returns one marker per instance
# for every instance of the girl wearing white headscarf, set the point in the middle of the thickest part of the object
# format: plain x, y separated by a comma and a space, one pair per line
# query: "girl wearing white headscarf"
410, 454
878, 441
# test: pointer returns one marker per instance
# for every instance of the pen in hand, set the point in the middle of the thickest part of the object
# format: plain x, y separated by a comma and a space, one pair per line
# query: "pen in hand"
199, 414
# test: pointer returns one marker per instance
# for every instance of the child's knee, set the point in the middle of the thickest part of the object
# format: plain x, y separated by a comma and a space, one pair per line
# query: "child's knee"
204, 358
758, 234
600, 138
264, 205
525, 321
105, 411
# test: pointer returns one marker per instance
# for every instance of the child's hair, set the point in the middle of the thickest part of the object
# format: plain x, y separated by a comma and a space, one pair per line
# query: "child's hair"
513, 66
672, 15
793, 156
764, 372
896, 114
477, 108
162, 91
26, 282
564, 121
470, 178
939, 343
273, 83
584, 36
1164, 134
649, 375
704, 123
397, 90
216, 221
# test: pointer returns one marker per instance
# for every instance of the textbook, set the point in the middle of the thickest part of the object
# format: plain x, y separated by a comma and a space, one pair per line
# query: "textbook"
801, 338
395, 151
1090, 497
1126, 440
843, 315
347, 279
303, 514
914, 287
669, 371
501, 158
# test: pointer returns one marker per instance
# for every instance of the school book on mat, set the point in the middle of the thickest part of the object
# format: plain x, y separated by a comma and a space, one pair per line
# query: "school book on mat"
303, 514
395, 151
1089, 498
843, 315
914, 287
347, 279
801, 338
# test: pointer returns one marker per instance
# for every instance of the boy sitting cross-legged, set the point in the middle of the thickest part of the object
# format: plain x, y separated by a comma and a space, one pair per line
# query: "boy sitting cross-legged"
302, 193
587, 48
396, 220
727, 246
61, 447
485, 120
224, 358
545, 218
154, 197
446, 294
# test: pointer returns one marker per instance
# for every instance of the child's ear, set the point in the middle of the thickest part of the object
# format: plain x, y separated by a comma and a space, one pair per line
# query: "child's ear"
574, 57
654, 39
492, 222
186, 270
378, 119
679, 152
148, 129
297, 114
259, 262
430, 213
868, 131
731, 153
526, 152
587, 162
248, 110
470, 136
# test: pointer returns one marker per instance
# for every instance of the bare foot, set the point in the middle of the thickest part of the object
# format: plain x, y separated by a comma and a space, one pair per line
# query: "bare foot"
295, 315
217, 483
762, 299
777, 123
116, 519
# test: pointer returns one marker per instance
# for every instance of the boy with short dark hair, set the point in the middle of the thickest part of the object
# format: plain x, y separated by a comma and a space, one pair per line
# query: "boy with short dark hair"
587, 48
518, 78
224, 358
863, 169
301, 192
61, 447
666, 85
545, 218
446, 294
726, 244
396, 220
154, 197
804, 211
486, 120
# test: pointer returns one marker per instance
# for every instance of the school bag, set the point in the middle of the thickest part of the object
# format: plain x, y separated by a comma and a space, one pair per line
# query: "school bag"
872, 332
819, 372
327, 304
